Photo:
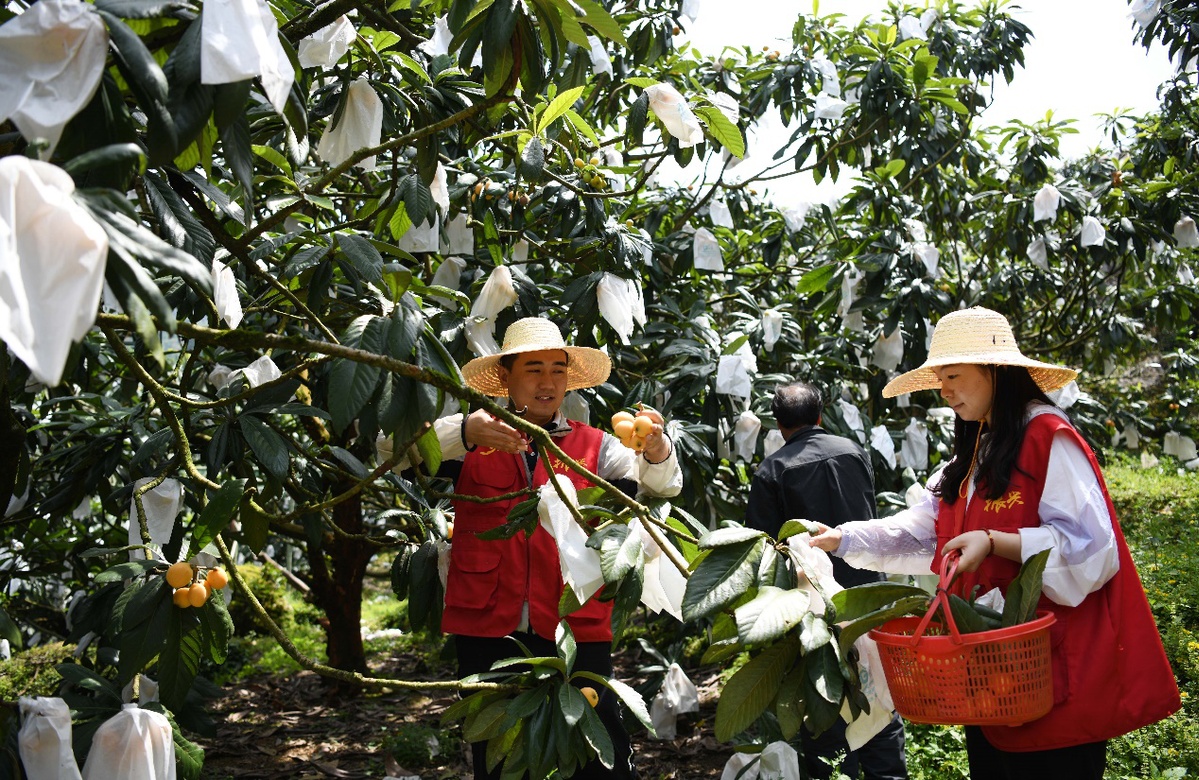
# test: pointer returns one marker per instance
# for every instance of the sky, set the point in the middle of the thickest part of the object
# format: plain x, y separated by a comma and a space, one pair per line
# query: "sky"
1081, 62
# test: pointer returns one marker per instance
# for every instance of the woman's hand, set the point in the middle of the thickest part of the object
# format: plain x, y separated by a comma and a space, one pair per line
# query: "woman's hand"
974, 546
828, 539
483, 430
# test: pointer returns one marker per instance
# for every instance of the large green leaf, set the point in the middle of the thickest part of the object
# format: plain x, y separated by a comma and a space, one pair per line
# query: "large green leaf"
619, 550
721, 578
1024, 592
724, 131
557, 107
269, 448
853, 603
750, 690
362, 256
351, 384
733, 535
771, 614
217, 514
139, 643
180, 659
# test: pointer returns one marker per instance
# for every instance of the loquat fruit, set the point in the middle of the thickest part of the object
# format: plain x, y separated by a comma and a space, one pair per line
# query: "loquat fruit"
179, 574
216, 579
590, 694
197, 595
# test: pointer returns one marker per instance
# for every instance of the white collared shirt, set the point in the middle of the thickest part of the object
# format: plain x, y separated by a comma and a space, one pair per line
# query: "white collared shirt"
1075, 526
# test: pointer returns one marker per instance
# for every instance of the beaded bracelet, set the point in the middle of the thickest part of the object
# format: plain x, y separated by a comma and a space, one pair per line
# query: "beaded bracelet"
990, 539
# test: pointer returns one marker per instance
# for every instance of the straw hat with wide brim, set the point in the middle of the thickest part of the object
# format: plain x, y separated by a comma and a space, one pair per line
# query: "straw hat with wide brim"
586, 367
978, 336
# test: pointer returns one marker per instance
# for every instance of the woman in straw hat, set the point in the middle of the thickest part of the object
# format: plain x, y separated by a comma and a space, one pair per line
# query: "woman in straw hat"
1022, 480
500, 589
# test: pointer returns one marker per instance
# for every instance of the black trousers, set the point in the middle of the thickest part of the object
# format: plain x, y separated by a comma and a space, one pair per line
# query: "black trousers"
1078, 762
477, 654
881, 758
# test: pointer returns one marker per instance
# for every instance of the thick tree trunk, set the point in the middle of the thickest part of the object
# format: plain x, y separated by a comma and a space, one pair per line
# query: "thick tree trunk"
338, 570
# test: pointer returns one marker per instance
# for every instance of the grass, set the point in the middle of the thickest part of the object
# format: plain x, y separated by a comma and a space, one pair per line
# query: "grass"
1159, 512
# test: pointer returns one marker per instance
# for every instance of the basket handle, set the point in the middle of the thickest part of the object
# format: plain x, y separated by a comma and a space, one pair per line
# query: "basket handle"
949, 570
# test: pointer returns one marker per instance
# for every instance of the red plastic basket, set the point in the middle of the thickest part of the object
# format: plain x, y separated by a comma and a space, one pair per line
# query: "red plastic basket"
990, 678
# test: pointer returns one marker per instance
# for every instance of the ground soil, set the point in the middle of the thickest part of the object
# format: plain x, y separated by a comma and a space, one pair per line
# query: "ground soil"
296, 726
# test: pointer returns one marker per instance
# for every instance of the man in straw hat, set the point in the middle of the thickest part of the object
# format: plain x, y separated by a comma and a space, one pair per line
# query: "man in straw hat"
504, 588
1022, 480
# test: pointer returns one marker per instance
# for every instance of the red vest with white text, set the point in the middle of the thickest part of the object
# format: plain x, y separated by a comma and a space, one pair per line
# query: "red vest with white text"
1110, 673
490, 581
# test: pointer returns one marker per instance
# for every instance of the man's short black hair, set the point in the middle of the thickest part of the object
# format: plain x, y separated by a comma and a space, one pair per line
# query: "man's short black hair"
796, 405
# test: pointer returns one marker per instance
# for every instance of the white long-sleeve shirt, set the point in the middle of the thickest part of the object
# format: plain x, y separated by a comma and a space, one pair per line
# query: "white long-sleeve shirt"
616, 461
1075, 526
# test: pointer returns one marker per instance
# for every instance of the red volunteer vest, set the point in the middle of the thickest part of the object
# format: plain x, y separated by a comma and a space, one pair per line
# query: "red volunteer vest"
1110, 673
490, 581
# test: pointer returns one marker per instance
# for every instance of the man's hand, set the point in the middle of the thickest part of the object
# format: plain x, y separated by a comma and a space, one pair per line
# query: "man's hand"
657, 444
828, 539
483, 430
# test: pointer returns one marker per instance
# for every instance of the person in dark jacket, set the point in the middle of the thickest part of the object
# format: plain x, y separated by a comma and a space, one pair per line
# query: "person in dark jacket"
817, 475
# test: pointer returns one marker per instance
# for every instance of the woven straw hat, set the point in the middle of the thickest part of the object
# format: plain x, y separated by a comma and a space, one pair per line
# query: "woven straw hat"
978, 336
586, 367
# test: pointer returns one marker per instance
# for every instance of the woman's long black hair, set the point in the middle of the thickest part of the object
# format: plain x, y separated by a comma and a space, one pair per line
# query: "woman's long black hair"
1014, 389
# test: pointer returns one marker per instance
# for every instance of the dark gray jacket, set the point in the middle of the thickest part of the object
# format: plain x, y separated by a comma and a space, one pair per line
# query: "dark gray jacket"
815, 476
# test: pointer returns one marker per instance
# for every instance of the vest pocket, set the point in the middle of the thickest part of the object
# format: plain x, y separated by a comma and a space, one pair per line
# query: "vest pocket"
474, 578
1061, 663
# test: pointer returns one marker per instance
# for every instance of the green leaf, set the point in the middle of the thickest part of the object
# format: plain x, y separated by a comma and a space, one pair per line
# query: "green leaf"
814, 634
271, 155
217, 514
750, 690
351, 384
139, 643
573, 703
564, 640
721, 578
531, 165
825, 673
10, 631
557, 107
853, 603
105, 155
816, 280
255, 525
628, 696
430, 450
217, 626
793, 527
771, 614
638, 114
597, 736
914, 605
417, 199
724, 131
619, 550
598, 19
128, 570
363, 257
724, 537
642, 82
269, 448
789, 703
580, 124
180, 659
1024, 592
486, 724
